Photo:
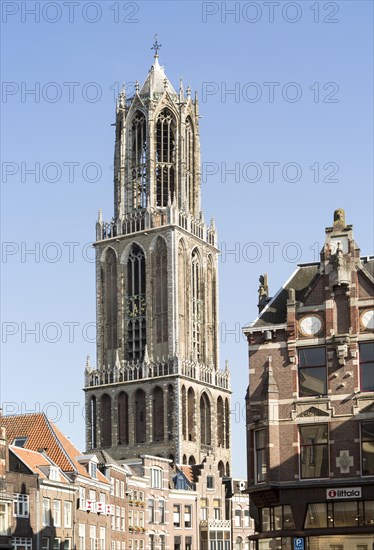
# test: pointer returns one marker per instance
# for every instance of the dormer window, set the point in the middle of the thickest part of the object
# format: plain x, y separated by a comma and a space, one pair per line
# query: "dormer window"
19, 441
90, 463
93, 469
156, 478
53, 473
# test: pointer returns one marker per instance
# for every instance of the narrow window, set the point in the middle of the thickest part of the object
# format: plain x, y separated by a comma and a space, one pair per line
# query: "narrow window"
177, 515
135, 310
123, 419
139, 161
367, 448
161, 294
106, 420
151, 510
110, 300
260, 456
189, 163
205, 420
367, 366
220, 423
187, 516
312, 372
158, 414
314, 451
165, 158
140, 417
196, 306
191, 414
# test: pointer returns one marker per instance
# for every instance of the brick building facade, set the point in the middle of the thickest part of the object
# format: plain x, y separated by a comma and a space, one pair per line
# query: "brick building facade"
310, 403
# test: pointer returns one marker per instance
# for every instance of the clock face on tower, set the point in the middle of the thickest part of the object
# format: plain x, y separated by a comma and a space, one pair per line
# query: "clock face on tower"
135, 306
310, 325
367, 319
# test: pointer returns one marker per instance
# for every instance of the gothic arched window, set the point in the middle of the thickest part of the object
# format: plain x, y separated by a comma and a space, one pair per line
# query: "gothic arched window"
170, 411
106, 420
139, 161
165, 158
196, 305
227, 423
183, 299
140, 417
184, 413
135, 306
211, 310
220, 423
110, 300
93, 437
191, 414
189, 163
205, 420
123, 419
161, 294
158, 414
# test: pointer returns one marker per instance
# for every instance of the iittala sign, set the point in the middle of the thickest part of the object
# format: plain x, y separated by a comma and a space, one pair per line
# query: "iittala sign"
343, 492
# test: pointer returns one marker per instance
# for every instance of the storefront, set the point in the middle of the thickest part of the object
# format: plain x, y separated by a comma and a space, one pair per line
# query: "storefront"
315, 518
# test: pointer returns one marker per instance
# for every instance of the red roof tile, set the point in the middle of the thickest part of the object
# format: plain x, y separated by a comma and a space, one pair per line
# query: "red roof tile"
34, 460
40, 435
43, 434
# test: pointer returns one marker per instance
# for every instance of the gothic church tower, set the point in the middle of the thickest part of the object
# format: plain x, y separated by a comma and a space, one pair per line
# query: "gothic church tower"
157, 388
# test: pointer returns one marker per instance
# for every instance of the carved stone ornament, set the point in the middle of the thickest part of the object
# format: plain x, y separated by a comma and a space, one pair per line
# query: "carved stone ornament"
313, 411
344, 461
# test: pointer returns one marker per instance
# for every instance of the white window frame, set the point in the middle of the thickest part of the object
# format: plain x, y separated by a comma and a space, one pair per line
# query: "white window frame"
46, 511
68, 508
157, 478
21, 506
102, 538
22, 543
187, 512
57, 513
177, 516
82, 536
92, 537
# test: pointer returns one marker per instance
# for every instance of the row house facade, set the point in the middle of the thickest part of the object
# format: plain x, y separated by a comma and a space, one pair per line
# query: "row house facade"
310, 403
66, 499
57, 498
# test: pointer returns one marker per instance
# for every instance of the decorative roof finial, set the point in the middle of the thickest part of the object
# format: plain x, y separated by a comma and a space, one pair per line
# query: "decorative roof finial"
156, 46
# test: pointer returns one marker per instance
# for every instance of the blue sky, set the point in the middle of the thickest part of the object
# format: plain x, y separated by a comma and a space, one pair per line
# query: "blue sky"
301, 77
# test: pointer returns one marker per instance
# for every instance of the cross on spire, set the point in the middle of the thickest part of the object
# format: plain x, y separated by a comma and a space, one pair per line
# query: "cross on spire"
156, 46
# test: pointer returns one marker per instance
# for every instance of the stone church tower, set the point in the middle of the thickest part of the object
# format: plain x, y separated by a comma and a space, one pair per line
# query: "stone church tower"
157, 388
